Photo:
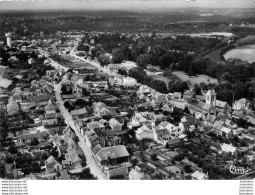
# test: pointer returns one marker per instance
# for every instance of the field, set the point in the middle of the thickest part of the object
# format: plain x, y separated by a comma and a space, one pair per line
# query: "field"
195, 79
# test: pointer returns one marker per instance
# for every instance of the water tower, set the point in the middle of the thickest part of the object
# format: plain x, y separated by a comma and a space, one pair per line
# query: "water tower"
9, 39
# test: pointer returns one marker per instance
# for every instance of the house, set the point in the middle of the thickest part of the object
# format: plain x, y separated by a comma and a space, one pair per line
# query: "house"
251, 121
174, 131
177, 96
168, 108
250, 138
173, 143
49, 121
98, 106
144, 89
237, 114
158, 117
95, 125
31, 61
222, 106
92, 139
5, 83
240, 104
210, 119
144, 132
51, 165
161, 135
200, 109
226, 148
3, 71
188, 94
79, 113
72, 159
139, 119
115, 125
197, 175
187, 124
114, 161
137, 174
128, 81
27, 138
12, 107
221, 130
106, 111
50, 107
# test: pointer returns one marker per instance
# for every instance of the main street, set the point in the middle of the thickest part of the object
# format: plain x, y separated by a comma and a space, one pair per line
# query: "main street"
94, 168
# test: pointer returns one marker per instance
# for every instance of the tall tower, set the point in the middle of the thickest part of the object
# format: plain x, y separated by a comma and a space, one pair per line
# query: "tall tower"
211, 97
9, 39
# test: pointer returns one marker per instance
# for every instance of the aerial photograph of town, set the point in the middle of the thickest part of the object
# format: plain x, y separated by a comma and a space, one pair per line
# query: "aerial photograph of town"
127, 90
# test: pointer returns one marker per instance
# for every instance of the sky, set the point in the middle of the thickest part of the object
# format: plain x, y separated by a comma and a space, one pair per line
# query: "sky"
120, 4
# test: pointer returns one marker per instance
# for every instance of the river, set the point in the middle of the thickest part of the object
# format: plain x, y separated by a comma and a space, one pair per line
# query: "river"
245, 53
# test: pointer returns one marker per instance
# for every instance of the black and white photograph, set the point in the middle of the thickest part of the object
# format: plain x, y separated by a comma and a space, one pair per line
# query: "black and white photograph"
127, 90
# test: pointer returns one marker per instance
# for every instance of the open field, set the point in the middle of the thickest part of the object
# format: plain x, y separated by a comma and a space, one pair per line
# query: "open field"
195, 79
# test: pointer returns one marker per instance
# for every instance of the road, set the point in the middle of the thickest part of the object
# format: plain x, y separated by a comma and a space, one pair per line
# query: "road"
91, 163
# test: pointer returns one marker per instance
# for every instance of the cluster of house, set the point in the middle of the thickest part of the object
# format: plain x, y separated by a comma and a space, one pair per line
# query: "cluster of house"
71, 165
207, 114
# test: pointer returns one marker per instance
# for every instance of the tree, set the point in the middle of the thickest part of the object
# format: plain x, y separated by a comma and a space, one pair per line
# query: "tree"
165, 61
44, 157
117, 55
154, 156
178, 157
134, 161
34, 141
86, 174
82, 47
197, 89
12, 149
104, 59
226, 77
54, 152
143, 60
167, 72
130, 151
122, 72
188, 169
68, 105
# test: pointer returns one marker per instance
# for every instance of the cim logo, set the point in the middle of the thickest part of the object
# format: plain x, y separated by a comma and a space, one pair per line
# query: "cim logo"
238, 170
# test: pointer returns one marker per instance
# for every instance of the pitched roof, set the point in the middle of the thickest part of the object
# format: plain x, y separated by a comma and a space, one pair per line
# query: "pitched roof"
210, 118
5, 83
228, 148
34, 135
162, 132
226, 130
51, 159
220, 104
112, 152
174, 141
2, 70
79, 112
198, 175
163, 125
114, 122
199, 105
96, 148
142, 129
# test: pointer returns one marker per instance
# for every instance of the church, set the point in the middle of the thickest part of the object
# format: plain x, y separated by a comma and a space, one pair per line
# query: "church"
202, 109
